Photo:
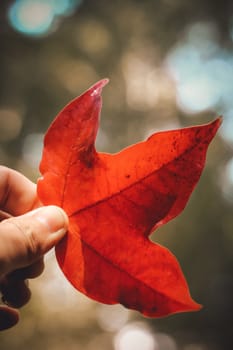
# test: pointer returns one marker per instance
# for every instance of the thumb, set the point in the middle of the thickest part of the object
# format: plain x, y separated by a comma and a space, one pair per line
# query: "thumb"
24, 239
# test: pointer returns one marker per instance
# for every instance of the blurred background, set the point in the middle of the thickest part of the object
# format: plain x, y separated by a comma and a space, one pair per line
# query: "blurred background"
170, 64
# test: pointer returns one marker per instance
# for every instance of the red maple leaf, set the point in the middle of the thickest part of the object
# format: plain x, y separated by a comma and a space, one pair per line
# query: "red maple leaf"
114, 202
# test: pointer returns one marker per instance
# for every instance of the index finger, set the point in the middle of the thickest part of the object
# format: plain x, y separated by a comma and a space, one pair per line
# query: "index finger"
17, 193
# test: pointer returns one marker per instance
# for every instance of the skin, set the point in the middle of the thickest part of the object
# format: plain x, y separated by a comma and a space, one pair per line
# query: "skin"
27, 232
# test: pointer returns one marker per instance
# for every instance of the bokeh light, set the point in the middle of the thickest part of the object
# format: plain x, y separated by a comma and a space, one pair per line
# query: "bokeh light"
31, 17
227, 180
32, 149
197, 94
59, 291
226, 130
146, 83
141, 87
11, 123
94, 38
64, 7
202, 70
112, 317
37, 17
135, 336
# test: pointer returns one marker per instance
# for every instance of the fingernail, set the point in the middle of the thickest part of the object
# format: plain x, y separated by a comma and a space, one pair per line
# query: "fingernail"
53, 217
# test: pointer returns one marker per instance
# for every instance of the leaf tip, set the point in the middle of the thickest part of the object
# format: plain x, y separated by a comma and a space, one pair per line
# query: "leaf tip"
195, 306
215, 125
96, 89
218, 121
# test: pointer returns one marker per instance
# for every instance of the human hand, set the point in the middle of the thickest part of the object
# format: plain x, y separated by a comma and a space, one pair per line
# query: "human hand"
27, 232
